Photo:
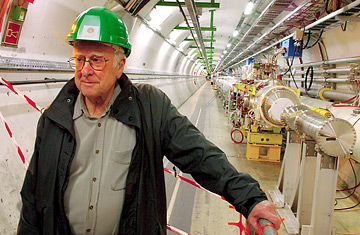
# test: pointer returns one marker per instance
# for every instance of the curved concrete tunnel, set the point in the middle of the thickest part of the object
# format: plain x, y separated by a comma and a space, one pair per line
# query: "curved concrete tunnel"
165, 58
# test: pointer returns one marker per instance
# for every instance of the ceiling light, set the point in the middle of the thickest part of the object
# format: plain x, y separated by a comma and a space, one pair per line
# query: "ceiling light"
228, 45
225, 51
235, 33
248, 8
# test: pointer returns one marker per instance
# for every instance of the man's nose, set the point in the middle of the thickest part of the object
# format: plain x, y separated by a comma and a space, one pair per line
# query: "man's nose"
87, 69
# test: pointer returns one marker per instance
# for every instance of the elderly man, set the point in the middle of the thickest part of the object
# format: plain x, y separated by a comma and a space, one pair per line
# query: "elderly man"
97, 166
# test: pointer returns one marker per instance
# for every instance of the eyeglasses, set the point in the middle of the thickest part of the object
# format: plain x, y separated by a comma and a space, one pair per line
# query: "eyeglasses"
98, 63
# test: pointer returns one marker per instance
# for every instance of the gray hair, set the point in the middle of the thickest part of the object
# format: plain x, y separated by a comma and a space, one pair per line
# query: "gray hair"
118, 55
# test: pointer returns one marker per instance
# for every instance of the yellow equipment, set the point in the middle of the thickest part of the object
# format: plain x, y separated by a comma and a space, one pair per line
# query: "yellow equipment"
264, 145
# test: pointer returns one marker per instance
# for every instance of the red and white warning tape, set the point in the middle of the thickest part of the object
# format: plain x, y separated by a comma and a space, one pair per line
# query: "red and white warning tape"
238, 224
175, 230
16, 91
192, 183
17, 148
32, 103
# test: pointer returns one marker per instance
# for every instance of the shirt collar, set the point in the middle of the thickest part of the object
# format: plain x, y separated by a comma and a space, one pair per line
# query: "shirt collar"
80, 107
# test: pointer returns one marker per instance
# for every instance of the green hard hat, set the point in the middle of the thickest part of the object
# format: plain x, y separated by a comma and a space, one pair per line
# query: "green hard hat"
101, 25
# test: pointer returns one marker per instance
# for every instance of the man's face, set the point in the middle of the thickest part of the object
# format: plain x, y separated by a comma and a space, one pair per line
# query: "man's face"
97, 85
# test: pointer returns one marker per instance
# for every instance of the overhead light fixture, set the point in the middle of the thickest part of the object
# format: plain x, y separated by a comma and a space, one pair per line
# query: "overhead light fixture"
248, 8
225, 51
228, 45
235, 33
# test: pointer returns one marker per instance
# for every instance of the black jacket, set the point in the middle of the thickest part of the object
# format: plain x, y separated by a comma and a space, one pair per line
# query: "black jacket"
161, 130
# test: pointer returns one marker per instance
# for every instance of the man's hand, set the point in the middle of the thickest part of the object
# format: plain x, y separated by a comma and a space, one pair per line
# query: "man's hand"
263, 210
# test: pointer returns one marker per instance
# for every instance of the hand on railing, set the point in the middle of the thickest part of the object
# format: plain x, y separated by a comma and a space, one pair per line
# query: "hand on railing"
264, 210
266, 228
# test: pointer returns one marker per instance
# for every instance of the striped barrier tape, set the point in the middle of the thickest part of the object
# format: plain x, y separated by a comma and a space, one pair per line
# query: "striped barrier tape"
16, 91
32, 103
238, 224
17, 148
192, 183
175, 230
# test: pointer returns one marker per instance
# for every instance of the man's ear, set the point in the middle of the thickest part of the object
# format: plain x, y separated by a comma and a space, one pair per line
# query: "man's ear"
120, 67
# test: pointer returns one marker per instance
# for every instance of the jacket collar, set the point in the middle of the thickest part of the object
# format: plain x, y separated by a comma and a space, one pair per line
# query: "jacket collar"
126, 106
124, 109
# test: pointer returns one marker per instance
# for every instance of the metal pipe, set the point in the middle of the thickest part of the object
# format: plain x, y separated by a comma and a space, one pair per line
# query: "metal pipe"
337, 95
337, 61
303, 79
268, 230
337, 80
287, 117
334, 136
330, 80
332, 95
46, 80
190, 4
336, 70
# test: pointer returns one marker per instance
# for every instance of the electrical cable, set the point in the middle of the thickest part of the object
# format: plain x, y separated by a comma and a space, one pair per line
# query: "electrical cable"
310, 68
311, 80
343, 28
355, 180
290, 65
308, 40
358, 209
347, 189
233, 137
347, 208
354, 188
309, 35
339, 104
326, 7
282, 74
318, 39
356, 121
292, 76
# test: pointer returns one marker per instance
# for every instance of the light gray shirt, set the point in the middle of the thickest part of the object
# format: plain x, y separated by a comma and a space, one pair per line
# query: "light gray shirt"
95, 194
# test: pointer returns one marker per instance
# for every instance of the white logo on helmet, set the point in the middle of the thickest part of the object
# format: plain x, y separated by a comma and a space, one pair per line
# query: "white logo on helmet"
90, 32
